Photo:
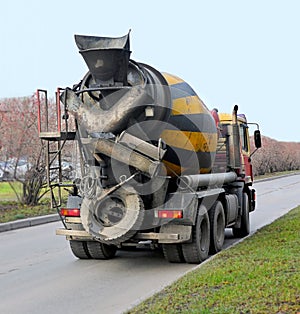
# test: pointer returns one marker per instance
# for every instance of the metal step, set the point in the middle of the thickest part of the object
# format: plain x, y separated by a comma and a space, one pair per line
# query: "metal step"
57, 136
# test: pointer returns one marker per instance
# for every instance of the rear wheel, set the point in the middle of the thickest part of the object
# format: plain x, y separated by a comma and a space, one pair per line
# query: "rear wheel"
99, 250
173, 253
217, 227
197, 251
79, 249
244, 229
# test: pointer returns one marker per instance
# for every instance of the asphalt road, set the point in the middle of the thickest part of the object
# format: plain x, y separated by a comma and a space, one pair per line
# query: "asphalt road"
38, 273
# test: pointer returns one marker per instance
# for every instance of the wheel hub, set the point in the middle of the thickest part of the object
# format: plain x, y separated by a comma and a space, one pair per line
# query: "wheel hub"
110, 212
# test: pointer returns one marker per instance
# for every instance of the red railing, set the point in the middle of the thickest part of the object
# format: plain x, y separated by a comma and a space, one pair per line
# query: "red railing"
43, 113
58, 109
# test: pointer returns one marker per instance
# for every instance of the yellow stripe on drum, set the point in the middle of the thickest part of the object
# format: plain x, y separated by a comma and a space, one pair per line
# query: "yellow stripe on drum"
172, 79
205, 170
193, 141
188, 105
192, 135
172, 168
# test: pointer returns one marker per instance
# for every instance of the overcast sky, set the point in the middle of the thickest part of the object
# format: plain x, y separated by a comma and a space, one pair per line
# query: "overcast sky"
230, 52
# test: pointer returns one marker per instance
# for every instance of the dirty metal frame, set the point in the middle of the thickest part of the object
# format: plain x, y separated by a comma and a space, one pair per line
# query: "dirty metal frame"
172, 237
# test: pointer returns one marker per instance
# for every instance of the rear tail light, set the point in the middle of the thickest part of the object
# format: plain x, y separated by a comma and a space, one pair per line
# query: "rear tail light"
169, 214
70, 212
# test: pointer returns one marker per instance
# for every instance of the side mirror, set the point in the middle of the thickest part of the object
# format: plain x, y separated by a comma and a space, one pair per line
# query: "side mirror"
257, 139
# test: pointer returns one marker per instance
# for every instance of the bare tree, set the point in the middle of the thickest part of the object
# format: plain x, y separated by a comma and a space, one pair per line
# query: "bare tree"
22, 148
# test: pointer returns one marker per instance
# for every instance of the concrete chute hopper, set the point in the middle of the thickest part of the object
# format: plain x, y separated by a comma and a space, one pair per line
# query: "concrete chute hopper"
106, 58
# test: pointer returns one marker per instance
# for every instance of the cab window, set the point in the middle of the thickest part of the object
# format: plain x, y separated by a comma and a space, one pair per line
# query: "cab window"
244, 137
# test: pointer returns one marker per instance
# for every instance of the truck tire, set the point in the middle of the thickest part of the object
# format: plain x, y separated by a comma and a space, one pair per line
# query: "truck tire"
173, 253
244, 229
79, 249
197, 251
114, 219
217, 227
99, 250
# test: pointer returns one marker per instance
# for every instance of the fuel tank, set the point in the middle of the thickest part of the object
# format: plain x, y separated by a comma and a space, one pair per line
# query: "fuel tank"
119, 94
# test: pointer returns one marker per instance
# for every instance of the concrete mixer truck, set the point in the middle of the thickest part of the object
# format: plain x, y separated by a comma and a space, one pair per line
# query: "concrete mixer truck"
157, 167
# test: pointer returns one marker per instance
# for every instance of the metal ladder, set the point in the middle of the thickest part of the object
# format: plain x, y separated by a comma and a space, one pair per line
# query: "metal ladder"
51, 132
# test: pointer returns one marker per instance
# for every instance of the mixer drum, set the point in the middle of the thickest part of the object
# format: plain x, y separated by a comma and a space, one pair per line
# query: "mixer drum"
119, 94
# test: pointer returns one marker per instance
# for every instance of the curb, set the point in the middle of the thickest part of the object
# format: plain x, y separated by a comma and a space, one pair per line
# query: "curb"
29, 222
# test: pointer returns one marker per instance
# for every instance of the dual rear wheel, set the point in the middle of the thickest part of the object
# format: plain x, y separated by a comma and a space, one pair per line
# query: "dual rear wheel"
92, 249
207, 237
